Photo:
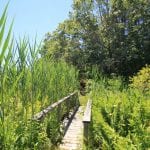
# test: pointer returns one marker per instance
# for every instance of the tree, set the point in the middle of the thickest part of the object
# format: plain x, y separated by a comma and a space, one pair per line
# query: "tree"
112, 34
124, 33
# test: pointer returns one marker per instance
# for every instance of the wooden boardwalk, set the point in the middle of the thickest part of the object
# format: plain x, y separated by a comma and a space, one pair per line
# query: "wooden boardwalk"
76, 126
73, 139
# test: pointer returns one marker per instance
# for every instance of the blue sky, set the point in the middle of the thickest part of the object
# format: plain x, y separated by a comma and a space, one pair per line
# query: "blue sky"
33, 17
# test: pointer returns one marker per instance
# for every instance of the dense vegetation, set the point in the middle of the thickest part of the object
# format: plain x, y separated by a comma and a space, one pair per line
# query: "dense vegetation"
121, 116
29, 83
112, 34
108, 42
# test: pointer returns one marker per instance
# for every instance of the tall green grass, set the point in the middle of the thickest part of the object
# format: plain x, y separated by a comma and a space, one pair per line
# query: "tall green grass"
29, 83
120, 116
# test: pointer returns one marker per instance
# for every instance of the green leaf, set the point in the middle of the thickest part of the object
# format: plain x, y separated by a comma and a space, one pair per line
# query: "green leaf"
3, 17
16, 82
2, 32
6, 43
9, 55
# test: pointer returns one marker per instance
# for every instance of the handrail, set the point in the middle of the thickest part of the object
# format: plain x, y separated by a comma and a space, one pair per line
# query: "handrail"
86, 121
87, 113
41, 115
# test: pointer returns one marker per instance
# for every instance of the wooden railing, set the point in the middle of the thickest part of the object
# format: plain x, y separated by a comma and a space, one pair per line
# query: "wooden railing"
71, 102
86, 121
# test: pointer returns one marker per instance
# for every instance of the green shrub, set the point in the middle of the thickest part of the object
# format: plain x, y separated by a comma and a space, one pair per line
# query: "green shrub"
120, 117
141, 81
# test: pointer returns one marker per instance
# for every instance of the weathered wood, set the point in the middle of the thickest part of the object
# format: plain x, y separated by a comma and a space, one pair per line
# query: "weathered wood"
86, 133
73, 136
41, 115
86, 122
87, 113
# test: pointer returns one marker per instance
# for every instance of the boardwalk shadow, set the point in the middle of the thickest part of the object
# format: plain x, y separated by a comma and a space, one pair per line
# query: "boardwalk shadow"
69, 120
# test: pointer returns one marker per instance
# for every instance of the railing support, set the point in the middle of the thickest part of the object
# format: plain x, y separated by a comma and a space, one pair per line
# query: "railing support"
86, 122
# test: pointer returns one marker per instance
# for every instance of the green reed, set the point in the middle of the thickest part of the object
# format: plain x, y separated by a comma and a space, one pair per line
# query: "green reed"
28, 83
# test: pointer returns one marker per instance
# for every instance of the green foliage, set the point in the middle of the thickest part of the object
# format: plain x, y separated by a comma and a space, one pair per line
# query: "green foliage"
123, 34
112, 34
120, 118
74, 37
4, 52
141, 81
28, 84
31, 136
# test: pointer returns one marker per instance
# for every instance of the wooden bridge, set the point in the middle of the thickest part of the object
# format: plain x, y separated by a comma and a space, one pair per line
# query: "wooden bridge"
75, 120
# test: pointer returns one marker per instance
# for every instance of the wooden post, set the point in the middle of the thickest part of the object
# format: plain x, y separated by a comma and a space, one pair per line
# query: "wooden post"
86, 132
86, 122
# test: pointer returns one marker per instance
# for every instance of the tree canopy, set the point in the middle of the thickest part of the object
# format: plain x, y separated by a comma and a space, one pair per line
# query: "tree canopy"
114, 35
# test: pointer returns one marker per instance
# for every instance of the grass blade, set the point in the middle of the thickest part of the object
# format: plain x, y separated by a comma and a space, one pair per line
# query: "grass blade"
2, 32
3, 17
6, 43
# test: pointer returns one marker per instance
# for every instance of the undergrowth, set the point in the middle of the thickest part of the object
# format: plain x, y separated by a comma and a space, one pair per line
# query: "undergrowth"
120, 116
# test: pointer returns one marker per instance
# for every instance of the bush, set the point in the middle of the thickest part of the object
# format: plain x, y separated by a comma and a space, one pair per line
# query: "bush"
141, 81
120, 118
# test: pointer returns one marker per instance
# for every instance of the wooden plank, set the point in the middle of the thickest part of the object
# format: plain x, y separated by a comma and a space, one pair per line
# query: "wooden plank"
87, 113
41, 115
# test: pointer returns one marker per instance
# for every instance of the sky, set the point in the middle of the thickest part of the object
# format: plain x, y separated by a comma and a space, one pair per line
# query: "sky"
36, 17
